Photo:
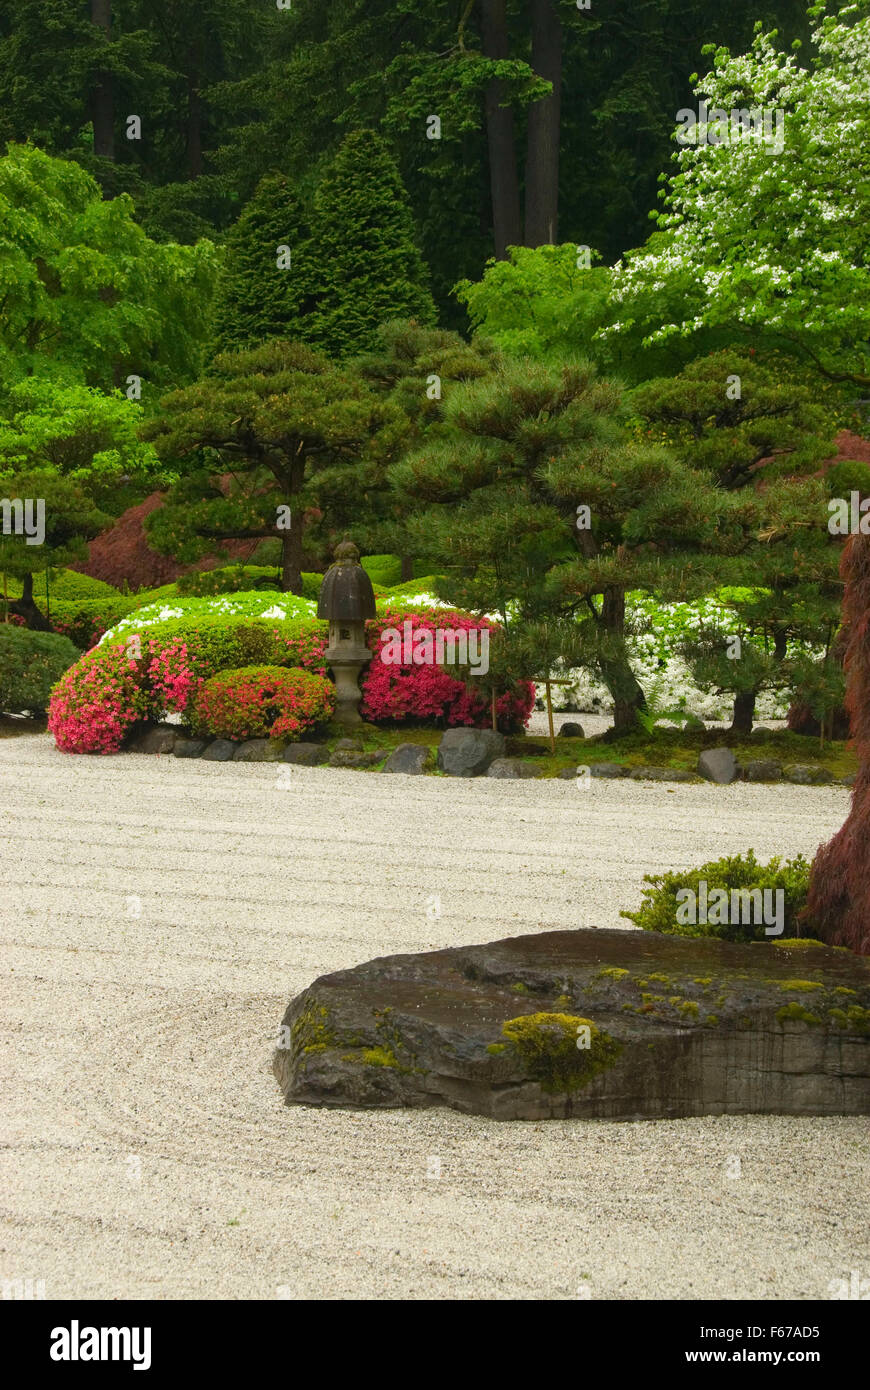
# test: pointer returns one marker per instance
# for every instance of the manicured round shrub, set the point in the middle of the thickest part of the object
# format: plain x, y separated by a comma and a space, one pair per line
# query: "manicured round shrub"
383, 569
663, 910
229, 579
262, 702
30, 664
98, 701
245, 607
218, 644
84, 621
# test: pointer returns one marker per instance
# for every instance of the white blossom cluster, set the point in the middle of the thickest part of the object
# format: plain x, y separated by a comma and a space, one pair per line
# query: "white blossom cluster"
769, 243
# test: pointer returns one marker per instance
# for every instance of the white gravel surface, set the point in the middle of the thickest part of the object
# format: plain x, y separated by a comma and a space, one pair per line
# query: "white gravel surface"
158, 914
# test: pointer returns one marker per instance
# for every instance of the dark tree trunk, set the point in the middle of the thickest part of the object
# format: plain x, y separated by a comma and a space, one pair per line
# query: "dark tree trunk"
194, 114
102, 95
542, 151
291, 558
743, 716
25, 608
503, 179
407, 567
618, 676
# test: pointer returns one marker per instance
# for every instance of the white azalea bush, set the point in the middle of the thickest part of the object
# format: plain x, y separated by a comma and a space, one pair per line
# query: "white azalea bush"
255, 605
658, 630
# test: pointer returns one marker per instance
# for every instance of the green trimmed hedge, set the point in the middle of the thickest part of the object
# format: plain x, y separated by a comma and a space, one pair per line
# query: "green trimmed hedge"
31, 663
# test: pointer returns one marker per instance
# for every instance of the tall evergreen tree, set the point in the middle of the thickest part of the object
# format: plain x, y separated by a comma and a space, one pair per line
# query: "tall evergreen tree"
370, 268
265, 289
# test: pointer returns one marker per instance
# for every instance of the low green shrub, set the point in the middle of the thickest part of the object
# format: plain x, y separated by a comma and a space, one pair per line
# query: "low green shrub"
231, 579
661, 910
30, 664
84, 621
64, 585
383, 569
262, 702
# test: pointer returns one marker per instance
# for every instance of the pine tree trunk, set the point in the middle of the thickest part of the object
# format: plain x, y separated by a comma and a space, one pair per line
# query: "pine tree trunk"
291, 559
102, 95
542, 150
407, 567
503, 179
618, 676
743, 716
25, 608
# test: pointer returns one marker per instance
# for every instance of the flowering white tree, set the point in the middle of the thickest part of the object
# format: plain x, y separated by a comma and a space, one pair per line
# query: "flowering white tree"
770, 246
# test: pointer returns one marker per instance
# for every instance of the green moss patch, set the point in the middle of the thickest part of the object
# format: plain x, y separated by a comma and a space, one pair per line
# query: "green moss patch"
551, 1048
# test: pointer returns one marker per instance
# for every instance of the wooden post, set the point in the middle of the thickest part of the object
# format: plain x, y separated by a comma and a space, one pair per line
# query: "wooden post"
550, 717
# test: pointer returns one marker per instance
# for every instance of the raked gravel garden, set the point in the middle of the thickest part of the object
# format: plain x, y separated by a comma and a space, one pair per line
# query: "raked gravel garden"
158, 913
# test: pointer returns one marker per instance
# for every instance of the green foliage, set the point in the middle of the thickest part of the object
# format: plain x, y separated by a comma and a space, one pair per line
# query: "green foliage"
728, 412
82, 434
84, 620
30, 664
221, 641
846, 477
539, 303
752, 427
232, 607
500, 489
370, 268
764, 243
86, 295
257, 441
65, 586
659, 907
230, 579
383, 569
256, 299
70, 519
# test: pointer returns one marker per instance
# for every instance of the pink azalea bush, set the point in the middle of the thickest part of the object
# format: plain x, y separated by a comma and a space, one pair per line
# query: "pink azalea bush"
262, 702
429, 692
97, 702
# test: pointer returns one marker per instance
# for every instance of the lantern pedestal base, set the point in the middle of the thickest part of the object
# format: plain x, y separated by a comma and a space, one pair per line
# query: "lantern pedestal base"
347, 692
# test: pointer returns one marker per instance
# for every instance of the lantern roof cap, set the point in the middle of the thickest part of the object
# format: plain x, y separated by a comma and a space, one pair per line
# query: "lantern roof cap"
346, 594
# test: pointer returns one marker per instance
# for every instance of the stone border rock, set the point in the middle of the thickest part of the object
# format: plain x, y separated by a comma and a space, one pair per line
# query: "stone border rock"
472, 753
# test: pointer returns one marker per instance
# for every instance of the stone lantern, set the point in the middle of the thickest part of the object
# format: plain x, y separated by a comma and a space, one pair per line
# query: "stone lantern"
347, 599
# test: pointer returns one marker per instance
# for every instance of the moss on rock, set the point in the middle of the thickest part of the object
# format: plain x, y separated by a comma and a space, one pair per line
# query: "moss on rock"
551, 1046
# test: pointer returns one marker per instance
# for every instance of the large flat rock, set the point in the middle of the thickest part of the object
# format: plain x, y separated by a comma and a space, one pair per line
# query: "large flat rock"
667, 1026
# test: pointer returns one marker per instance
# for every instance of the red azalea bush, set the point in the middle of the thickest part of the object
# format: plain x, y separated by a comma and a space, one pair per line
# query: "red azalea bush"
262, 702
429, 692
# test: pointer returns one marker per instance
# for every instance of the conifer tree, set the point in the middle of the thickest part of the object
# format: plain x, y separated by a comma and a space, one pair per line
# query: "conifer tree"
542, 509
251, 441
751, 427
266, 285
369, 267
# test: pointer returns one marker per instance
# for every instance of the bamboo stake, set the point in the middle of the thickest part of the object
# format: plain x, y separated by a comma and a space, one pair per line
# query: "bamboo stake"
550, 717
